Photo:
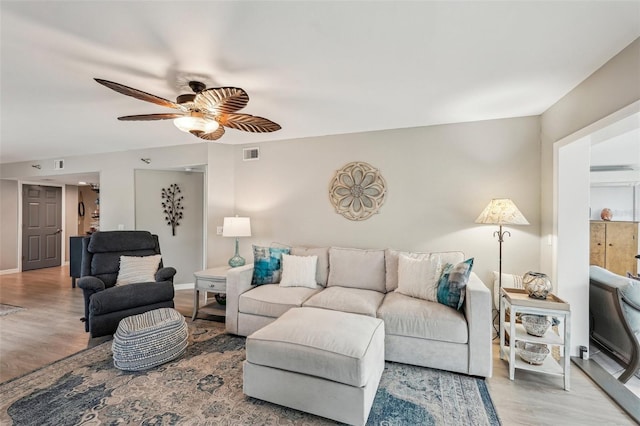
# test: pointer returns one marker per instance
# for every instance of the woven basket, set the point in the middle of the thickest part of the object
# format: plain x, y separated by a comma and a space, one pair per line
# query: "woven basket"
150, 339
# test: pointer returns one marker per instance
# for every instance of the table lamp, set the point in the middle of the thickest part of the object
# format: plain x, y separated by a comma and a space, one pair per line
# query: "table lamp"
236, 227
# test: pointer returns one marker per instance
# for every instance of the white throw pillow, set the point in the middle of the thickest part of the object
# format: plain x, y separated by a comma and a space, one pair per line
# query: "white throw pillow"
298, 271
138, 269
418, 277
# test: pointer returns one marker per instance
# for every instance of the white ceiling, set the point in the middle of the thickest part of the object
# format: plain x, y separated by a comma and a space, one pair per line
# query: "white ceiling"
316, 68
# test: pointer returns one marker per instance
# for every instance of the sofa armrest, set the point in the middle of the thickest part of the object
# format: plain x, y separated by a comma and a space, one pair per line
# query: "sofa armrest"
238, 281
165, 274
89, 286
477, 308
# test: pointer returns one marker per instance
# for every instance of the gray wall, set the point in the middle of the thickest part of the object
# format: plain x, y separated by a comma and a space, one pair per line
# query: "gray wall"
438, 178
8, 225
184, 251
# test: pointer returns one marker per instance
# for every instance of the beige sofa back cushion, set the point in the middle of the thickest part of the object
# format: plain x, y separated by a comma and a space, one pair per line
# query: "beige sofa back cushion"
322, 268
357, 269
392, 256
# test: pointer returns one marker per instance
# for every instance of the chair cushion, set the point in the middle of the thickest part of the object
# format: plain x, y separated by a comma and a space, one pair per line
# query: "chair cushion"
412, 317
334, 345
109, 241
345, 299
271, 300
123, 297
357, 269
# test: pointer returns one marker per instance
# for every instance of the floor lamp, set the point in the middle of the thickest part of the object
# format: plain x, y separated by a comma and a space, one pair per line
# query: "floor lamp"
501, 211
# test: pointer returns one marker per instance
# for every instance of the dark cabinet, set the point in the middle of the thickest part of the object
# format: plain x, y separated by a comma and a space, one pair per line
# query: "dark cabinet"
75, 258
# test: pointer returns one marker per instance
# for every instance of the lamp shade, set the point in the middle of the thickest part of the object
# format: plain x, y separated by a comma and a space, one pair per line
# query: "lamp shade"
502, 211
236, 227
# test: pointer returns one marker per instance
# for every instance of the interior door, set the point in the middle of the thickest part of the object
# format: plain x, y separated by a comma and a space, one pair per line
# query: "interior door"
41, 226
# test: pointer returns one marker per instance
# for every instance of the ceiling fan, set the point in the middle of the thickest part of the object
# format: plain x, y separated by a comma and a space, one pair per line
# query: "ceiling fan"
204, 113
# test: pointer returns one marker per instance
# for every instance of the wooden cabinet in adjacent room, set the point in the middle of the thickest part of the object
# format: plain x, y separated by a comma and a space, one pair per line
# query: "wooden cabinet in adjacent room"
614, 246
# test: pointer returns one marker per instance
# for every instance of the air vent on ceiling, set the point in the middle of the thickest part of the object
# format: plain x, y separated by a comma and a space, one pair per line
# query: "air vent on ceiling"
614, 168
58, 164
249, 154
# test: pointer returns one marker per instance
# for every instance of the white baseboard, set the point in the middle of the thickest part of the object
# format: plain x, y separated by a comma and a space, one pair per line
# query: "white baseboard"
9, 271
184, 286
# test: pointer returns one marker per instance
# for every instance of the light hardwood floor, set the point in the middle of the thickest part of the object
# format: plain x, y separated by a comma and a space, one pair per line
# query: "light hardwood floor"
50, 329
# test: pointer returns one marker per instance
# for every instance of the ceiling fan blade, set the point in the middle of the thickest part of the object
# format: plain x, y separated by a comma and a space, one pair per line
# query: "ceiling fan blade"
221, 100
248, 123
151, 117
215, 135
138, 94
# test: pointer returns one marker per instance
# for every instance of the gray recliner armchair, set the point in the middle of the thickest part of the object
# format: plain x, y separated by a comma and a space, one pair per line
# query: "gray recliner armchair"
105, 304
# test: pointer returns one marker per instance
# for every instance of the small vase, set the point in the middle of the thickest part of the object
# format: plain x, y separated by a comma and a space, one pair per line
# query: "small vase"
536, 284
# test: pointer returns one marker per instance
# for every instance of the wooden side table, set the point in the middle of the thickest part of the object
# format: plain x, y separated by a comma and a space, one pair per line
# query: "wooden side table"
212, 280
518, 301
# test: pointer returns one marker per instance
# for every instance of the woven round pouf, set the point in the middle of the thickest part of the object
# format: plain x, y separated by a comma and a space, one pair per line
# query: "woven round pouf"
150, 339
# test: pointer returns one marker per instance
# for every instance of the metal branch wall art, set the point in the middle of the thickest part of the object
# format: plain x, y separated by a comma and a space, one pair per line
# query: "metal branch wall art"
357, 191
172, 206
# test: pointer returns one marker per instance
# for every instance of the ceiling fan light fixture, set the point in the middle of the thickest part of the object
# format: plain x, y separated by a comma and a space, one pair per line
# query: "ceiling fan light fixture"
191, 123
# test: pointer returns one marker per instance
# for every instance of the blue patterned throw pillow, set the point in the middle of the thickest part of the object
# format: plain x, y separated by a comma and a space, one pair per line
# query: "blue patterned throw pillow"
453, 283
267, 264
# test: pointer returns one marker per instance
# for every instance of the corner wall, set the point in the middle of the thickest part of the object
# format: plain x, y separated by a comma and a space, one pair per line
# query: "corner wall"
613, 87
9, 225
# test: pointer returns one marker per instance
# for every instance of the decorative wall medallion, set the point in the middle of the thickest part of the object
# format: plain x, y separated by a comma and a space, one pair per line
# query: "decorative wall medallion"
357, 191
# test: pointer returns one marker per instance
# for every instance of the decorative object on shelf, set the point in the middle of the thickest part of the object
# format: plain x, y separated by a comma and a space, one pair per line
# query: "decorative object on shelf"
357, 191
96, 188
533, 353
537, 284
236, 227
501, 211
606, 214
221, 298
172, 206
535, 325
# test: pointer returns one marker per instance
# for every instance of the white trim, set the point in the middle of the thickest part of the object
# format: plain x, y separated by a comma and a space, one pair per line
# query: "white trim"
9, 271
184, 286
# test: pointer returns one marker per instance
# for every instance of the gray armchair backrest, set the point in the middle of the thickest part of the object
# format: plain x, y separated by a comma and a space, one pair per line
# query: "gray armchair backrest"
102, 250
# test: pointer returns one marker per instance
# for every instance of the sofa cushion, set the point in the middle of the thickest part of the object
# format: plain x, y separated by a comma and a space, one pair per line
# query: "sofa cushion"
418, 277
267, 264
357, 268
337, 346
271, 300
298, 271
453, 283
322, 268
391, 258
346, 299
408, 316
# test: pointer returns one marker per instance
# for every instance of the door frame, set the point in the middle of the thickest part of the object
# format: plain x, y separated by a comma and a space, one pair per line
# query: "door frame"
63, 245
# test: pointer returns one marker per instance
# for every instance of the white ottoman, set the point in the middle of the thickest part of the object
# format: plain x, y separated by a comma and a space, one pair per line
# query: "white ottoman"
323, 362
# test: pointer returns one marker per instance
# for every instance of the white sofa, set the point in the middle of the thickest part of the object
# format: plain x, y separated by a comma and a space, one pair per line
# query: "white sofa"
417, 331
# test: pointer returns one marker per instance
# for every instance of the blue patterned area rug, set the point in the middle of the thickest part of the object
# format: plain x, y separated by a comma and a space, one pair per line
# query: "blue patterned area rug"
204, 387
